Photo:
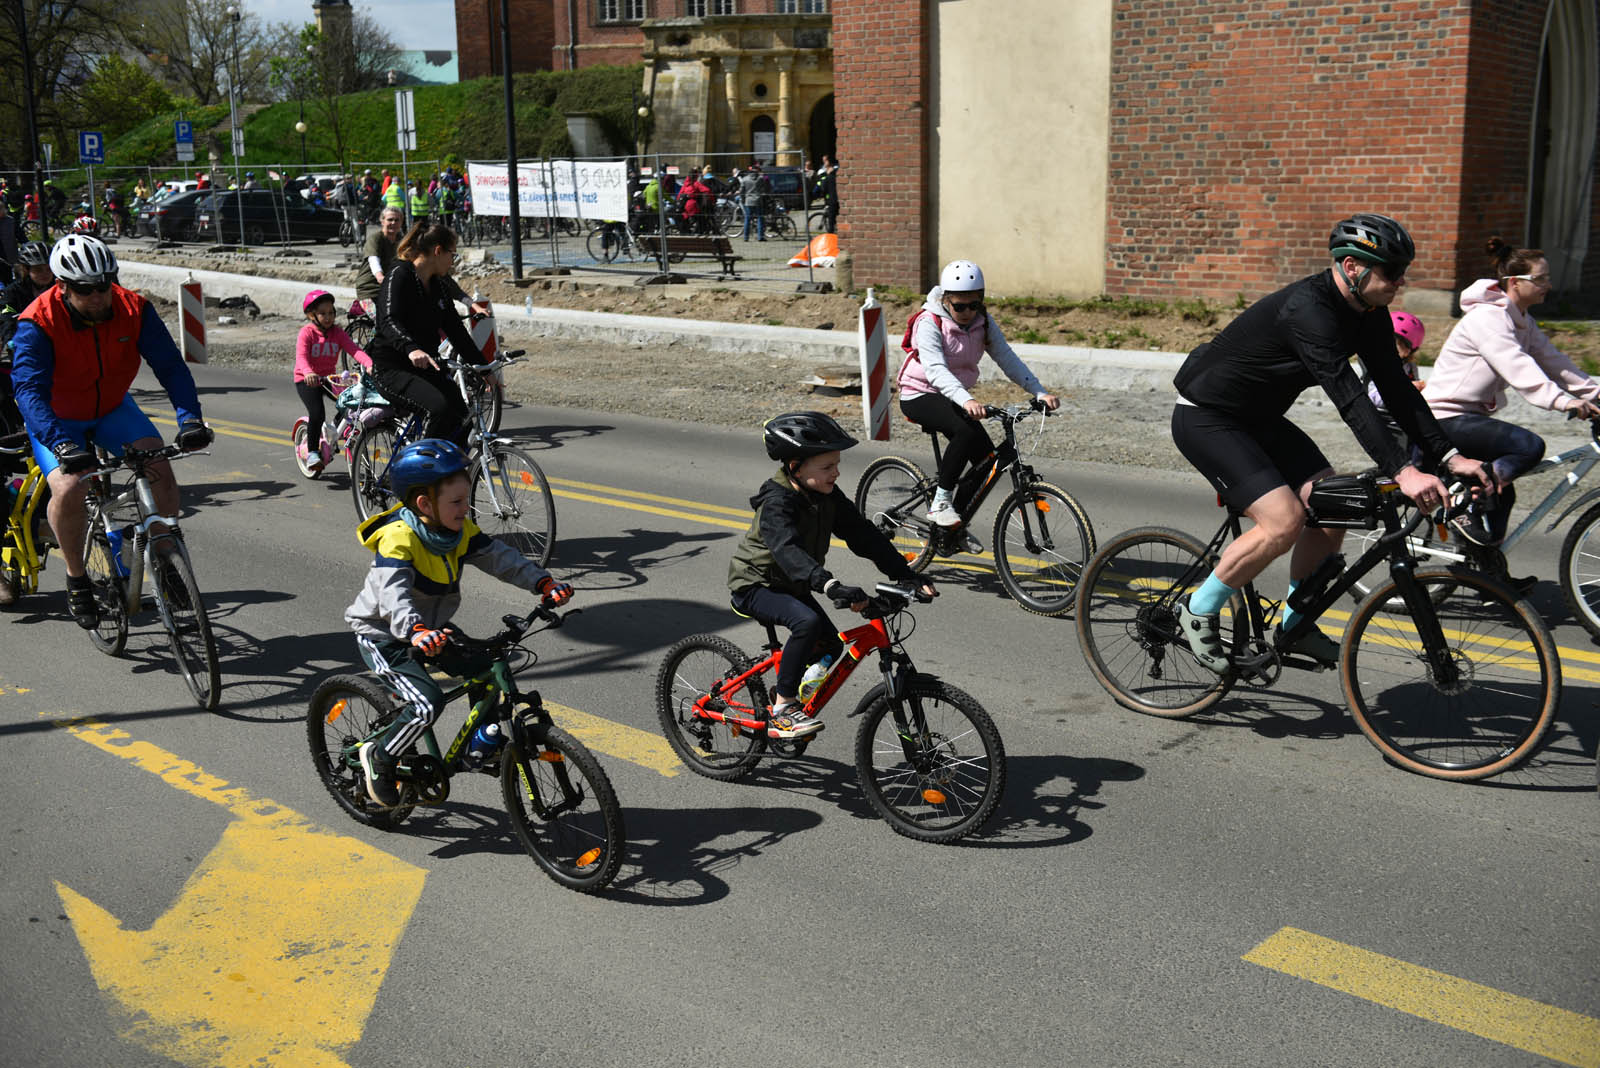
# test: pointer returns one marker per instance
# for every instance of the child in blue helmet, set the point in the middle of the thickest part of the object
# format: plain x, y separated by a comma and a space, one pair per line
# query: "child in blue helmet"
414, 587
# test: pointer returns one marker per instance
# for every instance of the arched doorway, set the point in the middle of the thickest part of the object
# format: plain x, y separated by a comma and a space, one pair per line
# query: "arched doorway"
763, 138
1561, 170
824, 135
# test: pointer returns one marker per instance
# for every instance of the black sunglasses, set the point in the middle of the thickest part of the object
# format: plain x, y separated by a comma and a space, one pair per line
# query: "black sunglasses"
83, 290
966, 305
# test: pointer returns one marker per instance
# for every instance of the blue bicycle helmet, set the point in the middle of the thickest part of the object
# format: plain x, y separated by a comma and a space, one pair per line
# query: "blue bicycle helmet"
423, 463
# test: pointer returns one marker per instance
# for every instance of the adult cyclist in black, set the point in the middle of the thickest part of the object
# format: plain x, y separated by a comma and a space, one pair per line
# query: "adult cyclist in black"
1229, 421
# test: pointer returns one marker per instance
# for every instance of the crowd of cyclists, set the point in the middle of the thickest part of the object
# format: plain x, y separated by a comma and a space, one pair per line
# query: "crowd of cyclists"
77, 338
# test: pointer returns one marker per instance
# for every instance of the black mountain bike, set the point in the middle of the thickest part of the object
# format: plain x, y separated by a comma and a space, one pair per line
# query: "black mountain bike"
1042, 535
1444, 669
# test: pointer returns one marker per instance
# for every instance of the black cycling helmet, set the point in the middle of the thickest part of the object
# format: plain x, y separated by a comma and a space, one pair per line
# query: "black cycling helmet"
797, 435
34, 254
1372, 238
423, 463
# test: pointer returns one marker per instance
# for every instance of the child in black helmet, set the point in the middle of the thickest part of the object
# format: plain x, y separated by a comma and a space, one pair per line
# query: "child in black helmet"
778, 566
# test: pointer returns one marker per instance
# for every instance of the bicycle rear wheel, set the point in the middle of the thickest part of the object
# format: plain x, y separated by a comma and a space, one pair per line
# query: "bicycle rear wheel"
110, 591
938, 774
564, 809
487, 401
183, 613
511, 501
694, 667
1042, 540
603, 245
345, 711
1486, 718
895, 496
370, 454
1580, 570
1127, 620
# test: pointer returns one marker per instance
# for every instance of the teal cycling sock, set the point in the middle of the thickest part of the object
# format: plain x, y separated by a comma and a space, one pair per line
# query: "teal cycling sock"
1211, 596
1290, 615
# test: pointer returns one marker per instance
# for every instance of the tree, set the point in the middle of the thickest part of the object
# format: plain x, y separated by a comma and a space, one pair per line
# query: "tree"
197, 41
119, 95
66, 37
319, 68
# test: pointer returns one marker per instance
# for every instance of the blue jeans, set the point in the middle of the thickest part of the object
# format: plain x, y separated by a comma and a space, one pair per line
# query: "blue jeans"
761, 223
811, 633
1510, 449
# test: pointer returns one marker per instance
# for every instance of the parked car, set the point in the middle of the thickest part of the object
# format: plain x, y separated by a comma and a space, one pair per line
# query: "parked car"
268, 215
175, 213
788, 183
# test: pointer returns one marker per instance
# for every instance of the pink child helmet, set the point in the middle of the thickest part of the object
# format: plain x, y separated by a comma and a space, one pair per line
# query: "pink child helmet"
313, 297
1409, 327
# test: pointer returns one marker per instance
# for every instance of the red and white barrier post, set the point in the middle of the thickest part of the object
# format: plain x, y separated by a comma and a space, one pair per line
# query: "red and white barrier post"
192, 313
874, 370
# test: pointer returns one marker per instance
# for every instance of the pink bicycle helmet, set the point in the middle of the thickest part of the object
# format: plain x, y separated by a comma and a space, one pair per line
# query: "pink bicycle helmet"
314, 296
1409, 327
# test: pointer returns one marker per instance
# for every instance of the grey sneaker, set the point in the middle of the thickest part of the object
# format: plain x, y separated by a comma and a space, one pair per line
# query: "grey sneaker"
791, 722
1315, 644
1204, 635
380, 776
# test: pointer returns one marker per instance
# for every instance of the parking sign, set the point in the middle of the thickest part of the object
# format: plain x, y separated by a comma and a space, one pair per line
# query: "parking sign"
184, 132
91, 147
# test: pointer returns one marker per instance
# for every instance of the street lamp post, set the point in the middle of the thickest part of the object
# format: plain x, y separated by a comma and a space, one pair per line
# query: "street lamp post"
234, 100
300, 128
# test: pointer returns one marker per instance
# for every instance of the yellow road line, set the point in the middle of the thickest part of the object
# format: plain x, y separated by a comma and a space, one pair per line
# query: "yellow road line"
1480, 1010
222, 426
644, 748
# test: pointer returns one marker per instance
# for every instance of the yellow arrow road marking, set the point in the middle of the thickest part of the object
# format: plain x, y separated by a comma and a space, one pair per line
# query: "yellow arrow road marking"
1528, 1025
273, 952
645, 748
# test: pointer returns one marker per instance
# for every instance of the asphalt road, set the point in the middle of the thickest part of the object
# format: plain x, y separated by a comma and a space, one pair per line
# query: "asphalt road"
182, 890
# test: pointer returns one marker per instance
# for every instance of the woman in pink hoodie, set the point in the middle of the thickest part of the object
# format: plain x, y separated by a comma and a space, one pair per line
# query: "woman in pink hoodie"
1497, 344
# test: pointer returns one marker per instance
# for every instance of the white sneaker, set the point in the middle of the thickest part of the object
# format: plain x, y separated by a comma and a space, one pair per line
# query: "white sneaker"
790, 721
944, 514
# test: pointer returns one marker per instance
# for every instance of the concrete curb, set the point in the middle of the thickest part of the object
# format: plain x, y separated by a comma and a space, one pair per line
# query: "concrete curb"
1060, 366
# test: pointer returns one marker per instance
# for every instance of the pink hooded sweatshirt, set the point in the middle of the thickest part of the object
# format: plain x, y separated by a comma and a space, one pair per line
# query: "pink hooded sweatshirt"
1495, 346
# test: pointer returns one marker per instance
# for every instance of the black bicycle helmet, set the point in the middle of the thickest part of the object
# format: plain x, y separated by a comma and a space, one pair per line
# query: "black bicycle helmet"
1372, 238
797, 435
34, 254
423, 463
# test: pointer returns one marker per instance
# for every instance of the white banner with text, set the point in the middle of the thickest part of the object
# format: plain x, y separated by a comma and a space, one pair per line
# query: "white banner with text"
577, 189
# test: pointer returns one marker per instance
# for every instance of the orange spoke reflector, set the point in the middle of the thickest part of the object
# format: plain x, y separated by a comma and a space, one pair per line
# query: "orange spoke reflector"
527, 478
932, 796
337, 710
910, 556
550, 756
1042, 504
586, 859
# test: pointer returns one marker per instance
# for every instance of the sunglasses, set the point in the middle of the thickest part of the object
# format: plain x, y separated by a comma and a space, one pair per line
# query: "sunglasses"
1541, 280
966, 305
83, 290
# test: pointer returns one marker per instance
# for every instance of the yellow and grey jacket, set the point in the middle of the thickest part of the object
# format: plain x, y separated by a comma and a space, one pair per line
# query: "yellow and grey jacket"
409, 584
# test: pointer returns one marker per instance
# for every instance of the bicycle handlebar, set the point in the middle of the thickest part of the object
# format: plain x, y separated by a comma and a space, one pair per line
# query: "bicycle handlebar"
1013, 412
138, 458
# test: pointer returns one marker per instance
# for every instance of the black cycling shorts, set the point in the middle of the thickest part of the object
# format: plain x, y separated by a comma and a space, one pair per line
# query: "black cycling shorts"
1245, 461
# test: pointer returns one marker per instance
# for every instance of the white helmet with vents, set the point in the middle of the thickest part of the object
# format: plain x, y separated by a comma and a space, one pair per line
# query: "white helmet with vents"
960, 276
83, 259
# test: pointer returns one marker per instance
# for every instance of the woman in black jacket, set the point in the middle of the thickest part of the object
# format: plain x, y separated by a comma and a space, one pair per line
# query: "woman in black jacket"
415, 304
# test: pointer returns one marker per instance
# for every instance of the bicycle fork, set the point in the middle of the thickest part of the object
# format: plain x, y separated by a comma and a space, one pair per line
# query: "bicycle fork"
1436, 653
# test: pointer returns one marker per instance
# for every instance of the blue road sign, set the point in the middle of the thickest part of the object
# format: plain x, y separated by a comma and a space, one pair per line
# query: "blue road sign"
185, 132
91, 147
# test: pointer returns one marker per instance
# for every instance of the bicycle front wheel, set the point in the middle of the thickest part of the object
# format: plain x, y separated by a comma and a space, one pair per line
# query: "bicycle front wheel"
564, 809
511, 501
110, 589
699, 665
1042, 540
487, 402
895, 496
1580, 570
1485, 710
932, 764
183, 612
1127, 619
603, 245
370, 455
346, 711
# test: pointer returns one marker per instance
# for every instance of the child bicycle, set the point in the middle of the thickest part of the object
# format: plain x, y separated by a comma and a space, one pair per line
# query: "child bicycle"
929, 757
560, 801
1042, 535
356, 404
1444, 669
23, 549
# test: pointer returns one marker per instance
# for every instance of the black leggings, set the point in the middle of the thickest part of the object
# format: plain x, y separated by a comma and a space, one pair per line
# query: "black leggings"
811, 633
312, 397
428, 393
969, 442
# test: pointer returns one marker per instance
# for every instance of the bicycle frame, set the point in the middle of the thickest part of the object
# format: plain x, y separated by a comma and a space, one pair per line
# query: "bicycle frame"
20, 555
139, 498
1584, 458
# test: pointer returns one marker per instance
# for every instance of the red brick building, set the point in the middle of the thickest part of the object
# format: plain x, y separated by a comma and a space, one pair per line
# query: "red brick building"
1240, 130
478, 37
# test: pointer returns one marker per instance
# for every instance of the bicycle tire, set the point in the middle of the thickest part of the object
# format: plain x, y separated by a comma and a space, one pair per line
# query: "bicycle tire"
690, 669
783, 225
370, 452
361, 332
110, 591
1043, 580
603, 245
188, 626
345, 711
958, 775
303, 463
1580, 570
1127, 623
580, 846
895, 495
1464, 731
516, 506
487, 401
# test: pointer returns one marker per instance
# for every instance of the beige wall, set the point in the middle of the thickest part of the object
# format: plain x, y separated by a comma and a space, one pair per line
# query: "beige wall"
1021, 113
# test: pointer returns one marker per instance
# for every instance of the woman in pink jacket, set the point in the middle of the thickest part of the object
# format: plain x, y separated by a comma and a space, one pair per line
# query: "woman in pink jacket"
1497, 344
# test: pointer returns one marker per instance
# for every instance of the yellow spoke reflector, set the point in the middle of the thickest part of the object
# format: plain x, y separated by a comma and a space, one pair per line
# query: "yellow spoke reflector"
587, 859
527, 478
932, 796
337, 710
550, 756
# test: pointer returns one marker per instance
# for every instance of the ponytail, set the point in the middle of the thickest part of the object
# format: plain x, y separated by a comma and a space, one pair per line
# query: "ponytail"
1509, 261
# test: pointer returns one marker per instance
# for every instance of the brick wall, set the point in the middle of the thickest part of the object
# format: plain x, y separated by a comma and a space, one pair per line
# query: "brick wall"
618, 44
478, 36
881, 67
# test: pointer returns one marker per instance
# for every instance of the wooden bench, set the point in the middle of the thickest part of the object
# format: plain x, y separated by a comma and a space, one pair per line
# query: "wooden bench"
681, 245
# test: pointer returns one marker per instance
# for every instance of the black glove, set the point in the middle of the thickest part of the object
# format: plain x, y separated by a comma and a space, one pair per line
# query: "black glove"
194, 435
72, 458
841, 595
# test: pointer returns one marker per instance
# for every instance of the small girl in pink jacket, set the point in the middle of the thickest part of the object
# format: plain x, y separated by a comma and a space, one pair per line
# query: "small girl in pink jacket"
316, 356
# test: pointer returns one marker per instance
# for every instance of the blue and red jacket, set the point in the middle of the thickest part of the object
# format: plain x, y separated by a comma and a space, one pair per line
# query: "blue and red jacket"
64, 367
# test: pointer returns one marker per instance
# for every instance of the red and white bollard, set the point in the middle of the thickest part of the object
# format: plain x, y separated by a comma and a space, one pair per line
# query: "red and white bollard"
192, 313
484, 335
874, 370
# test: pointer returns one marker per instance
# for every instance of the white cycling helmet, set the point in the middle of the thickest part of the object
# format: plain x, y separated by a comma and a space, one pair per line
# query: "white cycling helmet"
960, 276
83, 259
